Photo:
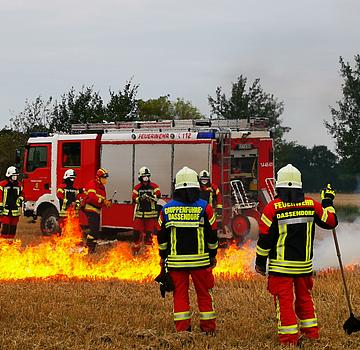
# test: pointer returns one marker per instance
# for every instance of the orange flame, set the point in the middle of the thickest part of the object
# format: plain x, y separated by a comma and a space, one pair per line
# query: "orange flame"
63, 257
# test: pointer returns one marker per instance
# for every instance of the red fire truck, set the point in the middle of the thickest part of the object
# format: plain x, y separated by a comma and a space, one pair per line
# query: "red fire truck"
238, 154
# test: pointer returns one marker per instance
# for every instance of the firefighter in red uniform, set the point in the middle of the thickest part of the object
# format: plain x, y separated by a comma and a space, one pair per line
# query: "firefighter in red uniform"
286, 238
145, 195
188, 244
95, 200
11, 199
209, 191
68, 195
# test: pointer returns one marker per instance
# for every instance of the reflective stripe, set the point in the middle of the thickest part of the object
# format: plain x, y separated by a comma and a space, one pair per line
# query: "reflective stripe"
219, 206
188, 264
189, 257
291, 263
179, 316
291, 329
265, 220
292, 221
324, 215
213, 245
280, 245
156, 189
331, 209
290, 271
261, 251
212, 219
201, 241
308, 240
311, 322
163, 246
173, 241
160, 221
89, 207
146, 214
207, 315
136, 192
181, 224
60, 190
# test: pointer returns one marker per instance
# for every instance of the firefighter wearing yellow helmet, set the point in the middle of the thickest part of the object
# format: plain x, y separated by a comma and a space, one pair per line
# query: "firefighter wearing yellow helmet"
187, 245
145, 196
11, 199
287, 230
94, 201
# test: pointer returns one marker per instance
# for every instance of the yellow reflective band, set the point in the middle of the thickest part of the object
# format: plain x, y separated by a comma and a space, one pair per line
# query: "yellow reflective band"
325, 215
292, 329
163, 246
179, 316
308, 240
331, 209
289, 271
217, 191
188, 264
182, 224
1, 188
201, 241
89, 207
189, 257
207, 315
280, 245
212, 219
60, 190
213, 245
311, 322
261, 251
156, 189
173, 241
136, 192
160, 221
219, 206
265, 220
291, 263
91, 191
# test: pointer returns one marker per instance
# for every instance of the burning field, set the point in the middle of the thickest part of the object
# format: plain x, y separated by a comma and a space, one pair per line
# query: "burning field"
53, 295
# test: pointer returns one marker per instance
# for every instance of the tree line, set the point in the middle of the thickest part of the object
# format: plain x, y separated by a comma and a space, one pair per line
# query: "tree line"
318, 164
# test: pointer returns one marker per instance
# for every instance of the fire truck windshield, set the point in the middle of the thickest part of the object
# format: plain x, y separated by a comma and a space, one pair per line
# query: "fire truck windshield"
37, 158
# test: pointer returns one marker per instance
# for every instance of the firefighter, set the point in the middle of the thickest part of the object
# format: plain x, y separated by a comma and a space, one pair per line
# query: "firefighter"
95, 200
188, 245
11, 199
210, 192
68, 195
286, 238
145, 195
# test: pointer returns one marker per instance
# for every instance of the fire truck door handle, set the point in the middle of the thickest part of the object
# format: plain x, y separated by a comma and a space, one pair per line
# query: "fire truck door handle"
47, 186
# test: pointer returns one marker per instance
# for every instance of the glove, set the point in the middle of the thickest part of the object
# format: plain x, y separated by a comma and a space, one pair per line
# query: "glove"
327, 192
107, 203
19, 202
166, 283
261, 270
213, 262
77, 205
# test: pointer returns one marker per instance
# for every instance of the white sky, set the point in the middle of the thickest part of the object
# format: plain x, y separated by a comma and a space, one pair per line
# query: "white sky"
182, 48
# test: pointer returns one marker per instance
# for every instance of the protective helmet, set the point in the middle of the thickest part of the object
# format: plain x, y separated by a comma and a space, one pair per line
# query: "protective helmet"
144, 172
102, 173
288, 177
204, 174
69, 174
186, 178
11, 171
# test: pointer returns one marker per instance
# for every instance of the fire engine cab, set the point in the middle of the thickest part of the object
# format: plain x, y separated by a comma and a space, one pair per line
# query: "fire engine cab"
237, 153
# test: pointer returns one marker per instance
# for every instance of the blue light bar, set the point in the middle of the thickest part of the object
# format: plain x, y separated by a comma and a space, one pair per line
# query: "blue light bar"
205, 135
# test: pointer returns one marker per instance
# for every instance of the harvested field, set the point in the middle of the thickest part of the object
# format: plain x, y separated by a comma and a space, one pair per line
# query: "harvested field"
343, 199
111, 314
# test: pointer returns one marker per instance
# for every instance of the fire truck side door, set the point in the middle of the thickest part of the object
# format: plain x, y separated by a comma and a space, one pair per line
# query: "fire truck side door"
37, 170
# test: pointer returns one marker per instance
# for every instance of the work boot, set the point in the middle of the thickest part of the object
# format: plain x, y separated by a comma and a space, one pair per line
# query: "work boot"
90, 243
135, 248
148, 238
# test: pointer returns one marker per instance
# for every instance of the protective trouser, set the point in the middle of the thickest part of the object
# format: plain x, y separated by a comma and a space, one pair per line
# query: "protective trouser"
283, 288
143, 230
92, 230
203, 280
9, 225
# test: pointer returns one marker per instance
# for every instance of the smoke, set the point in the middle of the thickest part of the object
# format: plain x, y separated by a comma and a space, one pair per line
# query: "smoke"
348, 235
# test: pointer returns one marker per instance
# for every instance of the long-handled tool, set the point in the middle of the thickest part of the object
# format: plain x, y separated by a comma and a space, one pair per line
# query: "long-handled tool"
352, 324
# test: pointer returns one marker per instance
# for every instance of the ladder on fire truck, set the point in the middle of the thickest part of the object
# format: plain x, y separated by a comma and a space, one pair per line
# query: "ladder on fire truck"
225, 159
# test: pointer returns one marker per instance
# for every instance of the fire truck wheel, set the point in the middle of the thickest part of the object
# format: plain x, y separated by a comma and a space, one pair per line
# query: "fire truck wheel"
49, 222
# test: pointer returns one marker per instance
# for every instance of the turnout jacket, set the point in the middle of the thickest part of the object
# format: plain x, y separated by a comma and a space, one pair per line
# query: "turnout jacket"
95, 195
211, 194
11, 197
187, 234
67, 196
287, 233
145, 206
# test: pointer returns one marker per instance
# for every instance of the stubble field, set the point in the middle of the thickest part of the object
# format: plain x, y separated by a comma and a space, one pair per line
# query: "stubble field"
112, 314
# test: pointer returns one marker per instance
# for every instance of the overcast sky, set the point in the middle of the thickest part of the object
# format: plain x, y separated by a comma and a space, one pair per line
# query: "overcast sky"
183, 48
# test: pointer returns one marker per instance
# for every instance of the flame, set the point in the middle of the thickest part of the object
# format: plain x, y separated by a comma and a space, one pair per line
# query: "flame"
64, 257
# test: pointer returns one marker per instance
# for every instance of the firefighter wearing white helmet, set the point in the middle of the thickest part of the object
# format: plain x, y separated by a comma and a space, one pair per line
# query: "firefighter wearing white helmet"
286, 239
68, 195
145, 196
187, 246
209, 191
11, 199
